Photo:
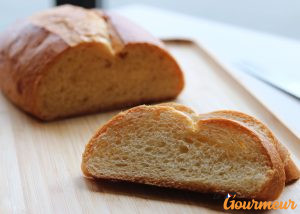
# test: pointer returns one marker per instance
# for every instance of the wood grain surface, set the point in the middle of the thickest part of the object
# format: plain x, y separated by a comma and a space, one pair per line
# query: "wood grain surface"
40, 162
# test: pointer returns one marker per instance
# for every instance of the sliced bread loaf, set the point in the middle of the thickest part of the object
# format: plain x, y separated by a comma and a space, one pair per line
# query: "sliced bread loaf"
169, 145
69, 61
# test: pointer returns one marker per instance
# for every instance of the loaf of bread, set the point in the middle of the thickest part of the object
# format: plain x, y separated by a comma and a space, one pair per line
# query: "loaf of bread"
69, 61
170, 145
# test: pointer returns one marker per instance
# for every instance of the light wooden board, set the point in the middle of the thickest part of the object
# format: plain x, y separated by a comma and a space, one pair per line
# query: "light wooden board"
40, 162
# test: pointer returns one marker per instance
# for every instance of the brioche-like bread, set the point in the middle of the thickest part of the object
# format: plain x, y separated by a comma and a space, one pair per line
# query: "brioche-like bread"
69, 61
291, 171
170, 145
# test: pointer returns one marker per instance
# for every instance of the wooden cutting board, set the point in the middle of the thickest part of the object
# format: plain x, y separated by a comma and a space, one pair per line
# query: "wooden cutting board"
40, 162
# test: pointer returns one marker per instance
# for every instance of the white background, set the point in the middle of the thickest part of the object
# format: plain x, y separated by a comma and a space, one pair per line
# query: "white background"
281, 17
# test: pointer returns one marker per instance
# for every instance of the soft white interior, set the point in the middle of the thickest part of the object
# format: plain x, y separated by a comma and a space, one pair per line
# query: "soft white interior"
88, 78
170, 146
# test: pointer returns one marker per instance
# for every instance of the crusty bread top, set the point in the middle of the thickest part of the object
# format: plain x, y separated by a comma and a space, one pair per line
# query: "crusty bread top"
76, 25
129, 32
73, 24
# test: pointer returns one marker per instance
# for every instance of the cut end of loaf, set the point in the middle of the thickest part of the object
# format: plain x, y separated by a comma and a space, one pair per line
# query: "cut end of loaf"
88, 79
168, 146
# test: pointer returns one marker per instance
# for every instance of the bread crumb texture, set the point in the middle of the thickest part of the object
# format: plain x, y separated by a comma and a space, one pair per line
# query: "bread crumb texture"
170, 145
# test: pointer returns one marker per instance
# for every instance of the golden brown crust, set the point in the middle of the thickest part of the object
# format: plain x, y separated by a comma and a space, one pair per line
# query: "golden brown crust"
25, 51
179, 107
75, 25
270, 191
129, 32
291, 171
30, 47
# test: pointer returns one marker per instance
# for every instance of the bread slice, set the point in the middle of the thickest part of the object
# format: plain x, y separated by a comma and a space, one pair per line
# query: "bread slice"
70, 61
291, 170
170, 146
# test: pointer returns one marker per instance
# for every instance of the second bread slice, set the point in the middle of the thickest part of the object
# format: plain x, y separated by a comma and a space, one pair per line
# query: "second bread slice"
291, 171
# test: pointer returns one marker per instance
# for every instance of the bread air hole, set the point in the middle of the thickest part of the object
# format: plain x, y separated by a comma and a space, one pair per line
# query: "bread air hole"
183, 149
148, 149
121, 164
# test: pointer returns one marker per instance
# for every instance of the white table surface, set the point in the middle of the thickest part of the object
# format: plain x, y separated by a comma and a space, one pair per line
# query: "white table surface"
232, 45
